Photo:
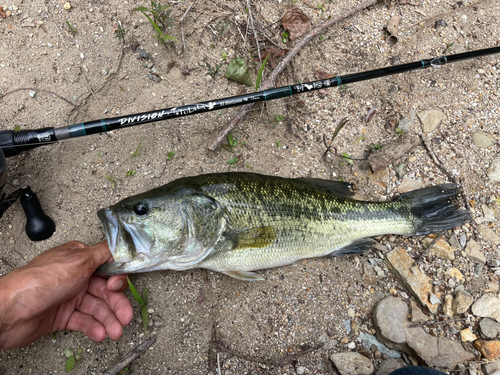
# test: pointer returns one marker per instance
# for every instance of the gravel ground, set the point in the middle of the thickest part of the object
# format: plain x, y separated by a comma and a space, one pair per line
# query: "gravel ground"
291, 322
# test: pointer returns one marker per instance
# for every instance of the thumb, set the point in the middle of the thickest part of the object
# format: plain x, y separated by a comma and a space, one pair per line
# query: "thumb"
99, 253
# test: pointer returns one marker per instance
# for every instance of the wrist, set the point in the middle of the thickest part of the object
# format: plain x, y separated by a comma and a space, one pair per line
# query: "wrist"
6, 307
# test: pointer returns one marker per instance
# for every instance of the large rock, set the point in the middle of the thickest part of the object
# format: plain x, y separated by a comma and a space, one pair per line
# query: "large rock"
490, 368
409, 184
489, 349
350, 363
393, 329
430, 119
417, 316
494, 171
489, 328
488, 234
442, 250
488, 306
482, 139
462, 302
474, 251
410, 277
388, 366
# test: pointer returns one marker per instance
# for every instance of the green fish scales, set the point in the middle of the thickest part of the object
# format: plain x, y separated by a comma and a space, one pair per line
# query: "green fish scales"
243, 222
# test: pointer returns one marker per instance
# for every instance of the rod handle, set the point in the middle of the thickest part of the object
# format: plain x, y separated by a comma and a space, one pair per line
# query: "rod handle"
14, 142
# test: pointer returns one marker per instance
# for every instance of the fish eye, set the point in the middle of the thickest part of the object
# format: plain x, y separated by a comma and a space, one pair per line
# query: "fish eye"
141, 209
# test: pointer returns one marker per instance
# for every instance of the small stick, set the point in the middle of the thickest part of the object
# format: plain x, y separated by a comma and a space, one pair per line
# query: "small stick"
90, 88
434, 157
218, 364
439, 322
133, 355
181, 21
335, 133
279, 68
49, 92
254, 31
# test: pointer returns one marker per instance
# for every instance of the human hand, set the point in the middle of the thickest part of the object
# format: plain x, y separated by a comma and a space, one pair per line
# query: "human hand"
58, 290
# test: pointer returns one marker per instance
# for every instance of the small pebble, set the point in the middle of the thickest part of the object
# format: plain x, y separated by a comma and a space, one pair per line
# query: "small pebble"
463, 240
301, 370
67, 6
32, 93
351, 345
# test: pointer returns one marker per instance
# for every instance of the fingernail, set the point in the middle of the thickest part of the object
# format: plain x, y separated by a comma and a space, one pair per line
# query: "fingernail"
118, 285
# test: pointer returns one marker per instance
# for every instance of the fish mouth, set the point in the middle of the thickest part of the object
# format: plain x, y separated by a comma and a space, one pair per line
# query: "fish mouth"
128, 244
109, 222
120, 244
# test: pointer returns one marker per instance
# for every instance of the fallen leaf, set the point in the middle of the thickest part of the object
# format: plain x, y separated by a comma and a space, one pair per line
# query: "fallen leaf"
321, 74
392, 152
201, 297
370, 114
296, 22
2, 13
278, 52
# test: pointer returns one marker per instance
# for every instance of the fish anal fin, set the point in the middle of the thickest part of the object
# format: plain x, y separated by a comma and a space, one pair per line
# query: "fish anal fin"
244, 275
355, 247
253, 237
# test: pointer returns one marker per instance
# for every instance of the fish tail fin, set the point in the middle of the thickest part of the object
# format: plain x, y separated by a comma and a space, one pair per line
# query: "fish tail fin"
435, 209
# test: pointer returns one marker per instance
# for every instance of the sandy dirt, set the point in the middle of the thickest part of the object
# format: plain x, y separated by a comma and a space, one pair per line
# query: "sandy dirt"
280, 324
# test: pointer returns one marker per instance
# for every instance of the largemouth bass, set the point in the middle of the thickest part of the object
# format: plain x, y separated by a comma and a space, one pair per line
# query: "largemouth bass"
236, 223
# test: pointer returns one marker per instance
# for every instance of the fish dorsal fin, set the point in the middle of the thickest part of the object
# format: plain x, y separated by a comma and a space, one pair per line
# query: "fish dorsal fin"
253, 237
244, 275
338, 188
355, 247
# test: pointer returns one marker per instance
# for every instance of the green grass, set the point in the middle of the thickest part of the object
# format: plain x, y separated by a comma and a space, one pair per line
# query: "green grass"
284, 36
71, 29
136, 152
72, 358
159, 17
170, 155
142, 301
232, 141
261, 70
120, 32
233, 160
213, 71
110, 179
130, 173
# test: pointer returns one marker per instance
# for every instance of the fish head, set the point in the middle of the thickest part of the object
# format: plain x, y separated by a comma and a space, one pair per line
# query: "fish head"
160, 229
142, 231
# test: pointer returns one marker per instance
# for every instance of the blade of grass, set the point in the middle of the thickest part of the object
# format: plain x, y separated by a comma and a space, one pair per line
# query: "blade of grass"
144, 314
261, 70
145, 296
135, 293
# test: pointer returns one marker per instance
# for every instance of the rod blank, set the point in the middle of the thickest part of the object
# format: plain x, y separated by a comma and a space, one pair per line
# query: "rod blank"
13, 143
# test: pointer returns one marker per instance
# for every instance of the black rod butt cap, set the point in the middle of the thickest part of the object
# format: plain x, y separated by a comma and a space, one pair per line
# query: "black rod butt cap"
39, 226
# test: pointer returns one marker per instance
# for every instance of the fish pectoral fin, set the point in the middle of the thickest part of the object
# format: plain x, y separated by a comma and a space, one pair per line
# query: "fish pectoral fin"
244, 275
355, 247
253, 237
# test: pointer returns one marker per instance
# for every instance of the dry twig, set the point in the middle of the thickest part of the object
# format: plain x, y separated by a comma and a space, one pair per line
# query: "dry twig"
181, 21
434, 157
279, 68
254, 31
133, 355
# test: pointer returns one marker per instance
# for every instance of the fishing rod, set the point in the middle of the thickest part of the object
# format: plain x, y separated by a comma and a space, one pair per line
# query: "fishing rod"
15, 142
